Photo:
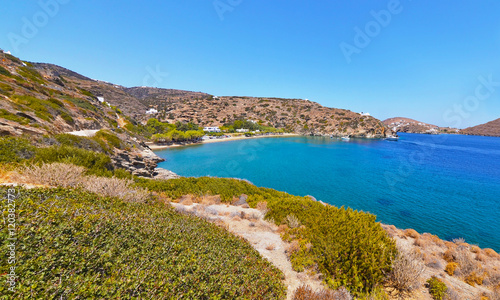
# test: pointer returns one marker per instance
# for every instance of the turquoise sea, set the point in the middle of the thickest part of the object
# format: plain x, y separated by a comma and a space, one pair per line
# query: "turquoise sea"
447, 185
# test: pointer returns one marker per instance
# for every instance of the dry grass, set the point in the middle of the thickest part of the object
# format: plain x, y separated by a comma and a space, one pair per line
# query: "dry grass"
55, 174
292, 248
305, 292
421, 242
407, 270
466, 262
71, 176
115, 187
411, 233
292, 221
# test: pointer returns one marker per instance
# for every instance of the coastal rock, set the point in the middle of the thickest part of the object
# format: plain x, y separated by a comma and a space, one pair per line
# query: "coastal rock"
242, 200
311, 197
160, 173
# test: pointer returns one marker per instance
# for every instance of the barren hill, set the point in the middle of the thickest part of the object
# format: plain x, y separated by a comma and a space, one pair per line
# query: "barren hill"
491, 128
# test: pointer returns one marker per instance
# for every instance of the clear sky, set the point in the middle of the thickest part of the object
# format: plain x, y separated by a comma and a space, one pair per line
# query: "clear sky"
434, 61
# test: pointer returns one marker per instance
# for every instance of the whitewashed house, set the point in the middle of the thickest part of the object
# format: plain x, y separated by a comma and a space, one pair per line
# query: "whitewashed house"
211, 129
241, 130
151, 111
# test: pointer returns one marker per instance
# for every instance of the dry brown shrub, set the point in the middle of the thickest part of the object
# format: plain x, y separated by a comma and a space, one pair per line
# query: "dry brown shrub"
450, 255
421, 242
407, 269
305, 292
54, 174
411, 233
190, 198
481, 257
270, 247
292, 247
115, 187
474, 278
475, 249
450, 245
450, 268
433, 262
236, 218
491, 253
458, 241
466, 262
492, 279
282, 228
187, 202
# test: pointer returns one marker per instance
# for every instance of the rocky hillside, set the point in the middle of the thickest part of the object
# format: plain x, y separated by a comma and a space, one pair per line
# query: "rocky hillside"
295, 115
488, 129
82, 99
400, 124
36, 102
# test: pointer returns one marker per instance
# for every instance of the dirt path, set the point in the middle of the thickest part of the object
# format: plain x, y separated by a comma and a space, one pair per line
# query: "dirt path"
262, 235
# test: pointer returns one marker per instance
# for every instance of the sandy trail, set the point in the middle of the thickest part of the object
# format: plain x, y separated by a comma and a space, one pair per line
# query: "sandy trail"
262, 235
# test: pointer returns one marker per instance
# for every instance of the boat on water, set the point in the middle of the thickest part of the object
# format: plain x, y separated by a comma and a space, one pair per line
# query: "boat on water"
345, 138
392, 138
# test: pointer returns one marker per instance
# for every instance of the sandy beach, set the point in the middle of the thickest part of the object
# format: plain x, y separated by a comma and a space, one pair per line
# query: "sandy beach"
155, 147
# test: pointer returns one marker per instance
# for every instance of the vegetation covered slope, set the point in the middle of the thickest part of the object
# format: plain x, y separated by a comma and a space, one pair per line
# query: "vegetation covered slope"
74, 244
33, 103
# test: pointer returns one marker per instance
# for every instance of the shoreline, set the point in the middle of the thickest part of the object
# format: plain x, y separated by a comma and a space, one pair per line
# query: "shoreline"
156, 147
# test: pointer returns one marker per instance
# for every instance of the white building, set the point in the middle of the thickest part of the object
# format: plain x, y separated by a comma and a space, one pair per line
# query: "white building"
101, 99
151, 111
211, 129
365, 114
241, 130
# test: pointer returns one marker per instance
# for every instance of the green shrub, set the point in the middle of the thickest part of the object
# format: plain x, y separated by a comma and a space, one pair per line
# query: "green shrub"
437, 288
86, 93
13, 117
5, 72
31, 74
78, 245
349, 247
15, 150
97, 163
82, 103
109, 137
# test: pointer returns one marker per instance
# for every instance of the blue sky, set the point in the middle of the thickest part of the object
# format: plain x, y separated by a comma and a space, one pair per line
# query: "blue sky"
427, 60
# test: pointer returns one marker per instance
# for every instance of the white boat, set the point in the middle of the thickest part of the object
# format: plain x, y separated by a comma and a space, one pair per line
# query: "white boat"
392, 138
345, 138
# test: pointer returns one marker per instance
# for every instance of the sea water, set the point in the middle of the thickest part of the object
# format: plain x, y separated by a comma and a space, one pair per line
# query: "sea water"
447, 185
